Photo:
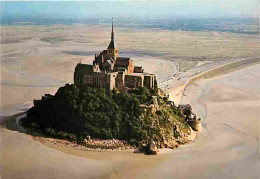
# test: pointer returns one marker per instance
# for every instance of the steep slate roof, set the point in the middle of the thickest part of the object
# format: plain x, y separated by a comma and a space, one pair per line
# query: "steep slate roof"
122, 62
111, 44
84, 69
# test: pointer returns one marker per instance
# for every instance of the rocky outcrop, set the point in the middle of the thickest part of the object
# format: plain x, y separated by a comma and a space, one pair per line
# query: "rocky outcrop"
153, 149
192, 135
195, 125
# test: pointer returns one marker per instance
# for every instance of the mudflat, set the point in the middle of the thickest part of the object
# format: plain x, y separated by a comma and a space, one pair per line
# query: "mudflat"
38, 59
227, 147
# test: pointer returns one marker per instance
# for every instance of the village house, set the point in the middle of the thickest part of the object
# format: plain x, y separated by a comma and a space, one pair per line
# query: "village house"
110, 71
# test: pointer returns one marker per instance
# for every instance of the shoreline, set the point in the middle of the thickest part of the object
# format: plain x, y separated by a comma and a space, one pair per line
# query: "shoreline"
65, 145
13, 123
230, 120
225, 69
177, 93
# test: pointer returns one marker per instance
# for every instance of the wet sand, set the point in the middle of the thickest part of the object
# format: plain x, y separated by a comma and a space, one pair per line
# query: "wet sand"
38, 59
185, 79
227, 147
229, 105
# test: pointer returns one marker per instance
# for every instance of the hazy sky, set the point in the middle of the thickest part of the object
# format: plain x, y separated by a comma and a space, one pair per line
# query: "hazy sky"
127, 8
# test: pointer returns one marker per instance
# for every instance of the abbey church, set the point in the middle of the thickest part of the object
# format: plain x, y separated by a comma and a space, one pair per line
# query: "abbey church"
110, 71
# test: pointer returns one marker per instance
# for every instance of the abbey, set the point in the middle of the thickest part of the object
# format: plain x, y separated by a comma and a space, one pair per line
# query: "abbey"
110, 71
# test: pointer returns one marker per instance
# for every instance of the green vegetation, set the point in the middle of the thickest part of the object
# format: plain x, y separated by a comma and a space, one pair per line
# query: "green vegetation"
75, 113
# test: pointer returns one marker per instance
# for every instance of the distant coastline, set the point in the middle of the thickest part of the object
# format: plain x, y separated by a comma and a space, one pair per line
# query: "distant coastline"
248, 25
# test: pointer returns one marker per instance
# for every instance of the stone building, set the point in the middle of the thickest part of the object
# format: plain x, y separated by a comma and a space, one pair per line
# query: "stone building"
185, 108
109, 70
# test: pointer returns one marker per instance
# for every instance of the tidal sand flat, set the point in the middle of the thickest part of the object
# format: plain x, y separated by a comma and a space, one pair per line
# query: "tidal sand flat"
229, 105
228, 146
203, 54
38, 59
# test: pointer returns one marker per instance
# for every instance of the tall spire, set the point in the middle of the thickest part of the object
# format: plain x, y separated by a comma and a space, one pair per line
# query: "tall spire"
112, 43
112, 33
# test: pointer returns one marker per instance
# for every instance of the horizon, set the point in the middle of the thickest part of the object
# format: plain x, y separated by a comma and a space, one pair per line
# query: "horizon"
131, 9
197, 15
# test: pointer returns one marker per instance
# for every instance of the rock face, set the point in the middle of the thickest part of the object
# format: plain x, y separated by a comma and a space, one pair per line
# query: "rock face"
153, 146
192, 135
196, 125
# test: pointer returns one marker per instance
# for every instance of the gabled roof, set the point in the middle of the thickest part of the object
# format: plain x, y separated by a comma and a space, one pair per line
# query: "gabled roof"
84, 69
